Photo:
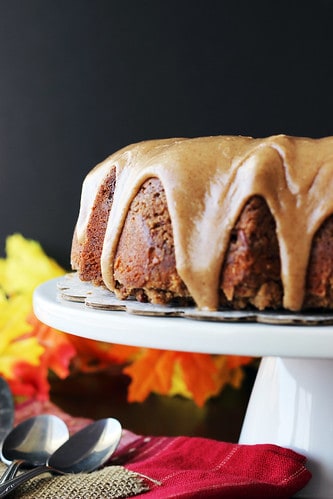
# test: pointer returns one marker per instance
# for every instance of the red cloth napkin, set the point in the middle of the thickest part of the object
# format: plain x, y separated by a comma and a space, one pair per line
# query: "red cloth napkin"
199, 467
193, 467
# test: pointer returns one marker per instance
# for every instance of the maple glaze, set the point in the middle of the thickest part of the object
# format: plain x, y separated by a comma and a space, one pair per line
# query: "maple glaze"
207, 182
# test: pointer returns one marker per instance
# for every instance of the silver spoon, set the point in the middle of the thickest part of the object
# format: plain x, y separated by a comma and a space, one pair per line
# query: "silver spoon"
85, 451
32, 442
6, 409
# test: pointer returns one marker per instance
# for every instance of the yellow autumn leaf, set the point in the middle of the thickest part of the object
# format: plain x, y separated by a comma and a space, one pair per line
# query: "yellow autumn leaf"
27, 350
15, 342
13, 322
26, 266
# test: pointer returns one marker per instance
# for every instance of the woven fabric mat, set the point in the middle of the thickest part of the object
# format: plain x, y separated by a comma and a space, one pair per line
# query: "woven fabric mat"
108, 483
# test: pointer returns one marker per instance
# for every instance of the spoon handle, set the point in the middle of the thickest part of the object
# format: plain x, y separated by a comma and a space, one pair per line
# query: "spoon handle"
10, 471
10, 485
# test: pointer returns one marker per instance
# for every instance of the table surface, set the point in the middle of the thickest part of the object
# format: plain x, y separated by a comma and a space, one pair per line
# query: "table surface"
103, 394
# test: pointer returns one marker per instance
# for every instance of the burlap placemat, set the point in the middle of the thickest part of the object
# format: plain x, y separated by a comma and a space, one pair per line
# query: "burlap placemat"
108, 483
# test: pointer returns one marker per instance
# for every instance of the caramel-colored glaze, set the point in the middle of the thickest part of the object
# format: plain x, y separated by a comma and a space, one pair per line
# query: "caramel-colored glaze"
207, 182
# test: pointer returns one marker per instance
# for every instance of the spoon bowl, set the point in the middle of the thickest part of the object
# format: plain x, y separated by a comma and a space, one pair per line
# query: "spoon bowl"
32, 442
85, 451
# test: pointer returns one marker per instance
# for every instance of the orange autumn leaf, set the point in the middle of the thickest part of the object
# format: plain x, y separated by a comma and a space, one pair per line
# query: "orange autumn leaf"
200, 375
30, 381
234, 361
58, 350
95, 355
155, 369
152, 372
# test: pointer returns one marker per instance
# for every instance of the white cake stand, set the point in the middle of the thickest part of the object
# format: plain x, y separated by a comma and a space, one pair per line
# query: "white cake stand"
292, 400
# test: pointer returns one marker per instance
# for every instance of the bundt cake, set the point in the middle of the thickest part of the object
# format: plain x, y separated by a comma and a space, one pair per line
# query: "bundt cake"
217, 222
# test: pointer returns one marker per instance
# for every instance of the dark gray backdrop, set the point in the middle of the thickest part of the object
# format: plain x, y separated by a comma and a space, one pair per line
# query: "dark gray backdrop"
82, 78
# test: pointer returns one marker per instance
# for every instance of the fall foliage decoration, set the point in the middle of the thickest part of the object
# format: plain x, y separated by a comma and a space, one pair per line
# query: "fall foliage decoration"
31, 351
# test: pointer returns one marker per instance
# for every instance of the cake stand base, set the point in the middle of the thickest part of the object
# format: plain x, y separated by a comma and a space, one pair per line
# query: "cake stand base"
291, 405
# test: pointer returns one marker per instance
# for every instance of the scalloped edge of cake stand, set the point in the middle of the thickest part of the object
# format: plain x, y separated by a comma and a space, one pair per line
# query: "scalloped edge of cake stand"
175, 333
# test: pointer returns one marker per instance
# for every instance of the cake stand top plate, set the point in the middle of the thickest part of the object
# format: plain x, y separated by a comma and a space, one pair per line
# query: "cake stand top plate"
179, 334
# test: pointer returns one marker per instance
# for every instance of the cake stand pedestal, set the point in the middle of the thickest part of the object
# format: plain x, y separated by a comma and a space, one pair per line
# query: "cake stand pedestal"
292, 401
291, 405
